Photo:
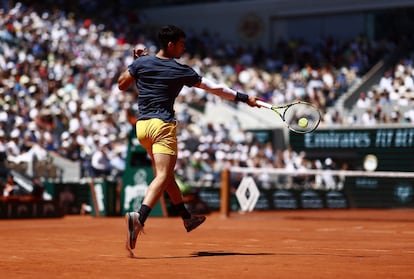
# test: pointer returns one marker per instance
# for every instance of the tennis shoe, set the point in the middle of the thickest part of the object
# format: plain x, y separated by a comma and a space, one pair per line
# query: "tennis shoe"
193, 222
134, 228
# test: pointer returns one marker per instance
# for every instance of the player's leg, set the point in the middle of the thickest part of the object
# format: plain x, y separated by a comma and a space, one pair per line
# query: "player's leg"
174, 193
144, 132
160, 140
164, 170
164, 175
190, 221
164, 156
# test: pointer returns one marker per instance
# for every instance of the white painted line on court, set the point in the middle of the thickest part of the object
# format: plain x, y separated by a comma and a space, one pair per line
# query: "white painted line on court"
328, 230
359, 250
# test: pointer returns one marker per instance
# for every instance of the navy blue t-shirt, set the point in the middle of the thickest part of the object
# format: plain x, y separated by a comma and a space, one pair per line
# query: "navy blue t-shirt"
159, 82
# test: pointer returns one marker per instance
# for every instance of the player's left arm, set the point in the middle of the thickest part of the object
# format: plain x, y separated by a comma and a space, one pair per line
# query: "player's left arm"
125, 80
139, 51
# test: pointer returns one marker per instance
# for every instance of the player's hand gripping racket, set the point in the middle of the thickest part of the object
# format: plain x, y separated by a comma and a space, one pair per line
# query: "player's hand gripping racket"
300, 117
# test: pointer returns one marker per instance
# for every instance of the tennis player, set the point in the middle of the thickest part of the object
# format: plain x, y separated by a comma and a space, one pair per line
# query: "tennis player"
159, 79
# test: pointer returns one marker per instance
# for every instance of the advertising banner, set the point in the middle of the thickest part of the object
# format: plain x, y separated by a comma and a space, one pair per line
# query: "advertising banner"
393, 147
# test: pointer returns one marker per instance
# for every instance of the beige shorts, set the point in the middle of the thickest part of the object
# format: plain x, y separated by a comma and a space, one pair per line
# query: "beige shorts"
157, 136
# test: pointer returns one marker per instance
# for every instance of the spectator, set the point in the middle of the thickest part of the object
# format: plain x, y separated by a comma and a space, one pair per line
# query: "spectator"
13, 145
363, 102
368, 118
100, 161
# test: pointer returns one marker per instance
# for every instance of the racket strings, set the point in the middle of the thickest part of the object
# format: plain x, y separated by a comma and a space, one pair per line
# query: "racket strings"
294, 113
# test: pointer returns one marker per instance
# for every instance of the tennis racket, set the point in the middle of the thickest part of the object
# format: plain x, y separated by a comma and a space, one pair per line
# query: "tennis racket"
300, 117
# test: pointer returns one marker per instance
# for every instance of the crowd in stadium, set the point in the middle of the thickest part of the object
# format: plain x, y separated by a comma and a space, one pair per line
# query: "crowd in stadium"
391, 100
58, 92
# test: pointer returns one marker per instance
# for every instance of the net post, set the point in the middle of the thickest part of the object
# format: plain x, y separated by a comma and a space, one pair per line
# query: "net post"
225, 193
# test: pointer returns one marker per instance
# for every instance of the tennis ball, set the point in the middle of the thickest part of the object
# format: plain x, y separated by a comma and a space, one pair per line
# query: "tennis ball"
303, 122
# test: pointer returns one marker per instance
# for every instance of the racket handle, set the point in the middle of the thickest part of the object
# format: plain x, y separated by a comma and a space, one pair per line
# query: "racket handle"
264, 104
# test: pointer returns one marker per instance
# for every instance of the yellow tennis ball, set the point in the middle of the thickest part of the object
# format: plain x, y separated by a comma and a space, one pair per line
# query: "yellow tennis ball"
303, 122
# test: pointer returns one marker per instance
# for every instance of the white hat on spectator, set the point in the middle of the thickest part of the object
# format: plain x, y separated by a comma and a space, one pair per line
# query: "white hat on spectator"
56, 110
47, 136
87, 104
33, 113
112, 137
24, 79
3, 116
61, 92
181, 145
15, 133
103, 141
74, 125
96, 137
65, 144
110, 110
32, 126
104, 131
245, 77
18, 121
91, 84
72, 106
32, 89
220, 155
197, 155
65, 135
186, 153
81, 140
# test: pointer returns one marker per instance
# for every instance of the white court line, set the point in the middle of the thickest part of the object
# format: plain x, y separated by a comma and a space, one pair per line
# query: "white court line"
358, 250
329, 230
368, 250
377, 231
359, 230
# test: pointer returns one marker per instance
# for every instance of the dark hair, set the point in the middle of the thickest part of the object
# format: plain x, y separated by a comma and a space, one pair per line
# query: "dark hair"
169, 33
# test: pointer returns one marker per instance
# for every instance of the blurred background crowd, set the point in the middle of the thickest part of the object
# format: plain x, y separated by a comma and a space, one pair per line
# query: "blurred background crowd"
59, 95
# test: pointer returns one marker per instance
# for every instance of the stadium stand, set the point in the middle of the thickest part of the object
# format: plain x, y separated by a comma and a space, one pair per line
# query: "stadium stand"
58, 90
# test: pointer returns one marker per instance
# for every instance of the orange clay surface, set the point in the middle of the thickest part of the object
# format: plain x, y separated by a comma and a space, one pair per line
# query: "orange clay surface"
279, 244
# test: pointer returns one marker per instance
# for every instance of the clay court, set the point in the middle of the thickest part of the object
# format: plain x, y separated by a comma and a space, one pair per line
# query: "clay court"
279, 244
